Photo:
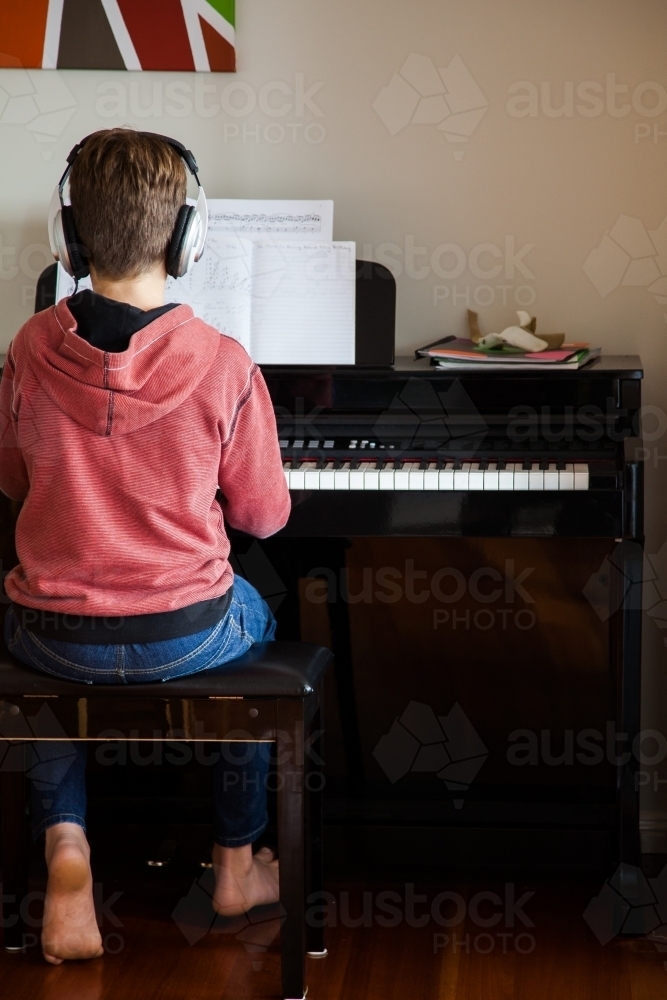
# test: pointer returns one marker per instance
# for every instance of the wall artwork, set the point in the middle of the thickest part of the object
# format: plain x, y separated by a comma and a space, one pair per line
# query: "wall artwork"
189, 35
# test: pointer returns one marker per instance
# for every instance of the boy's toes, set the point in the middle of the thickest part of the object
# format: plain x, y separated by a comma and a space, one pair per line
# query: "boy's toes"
52, 960
265, 854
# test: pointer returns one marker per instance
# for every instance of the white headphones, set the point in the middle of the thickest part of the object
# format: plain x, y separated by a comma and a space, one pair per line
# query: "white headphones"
185, 247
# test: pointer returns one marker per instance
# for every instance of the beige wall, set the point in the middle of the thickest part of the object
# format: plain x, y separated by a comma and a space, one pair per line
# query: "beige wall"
548, 187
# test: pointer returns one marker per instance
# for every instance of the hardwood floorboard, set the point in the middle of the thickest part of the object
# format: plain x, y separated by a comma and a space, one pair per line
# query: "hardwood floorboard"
375, 952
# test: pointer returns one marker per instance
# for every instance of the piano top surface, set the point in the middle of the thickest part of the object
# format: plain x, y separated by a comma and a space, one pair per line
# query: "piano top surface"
606, 366
625, 366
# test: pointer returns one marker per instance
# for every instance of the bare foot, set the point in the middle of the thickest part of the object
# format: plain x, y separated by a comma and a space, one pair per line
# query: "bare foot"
69, 928
243, 881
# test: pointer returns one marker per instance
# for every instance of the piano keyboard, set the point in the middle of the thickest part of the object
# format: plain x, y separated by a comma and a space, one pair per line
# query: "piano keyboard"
414, 475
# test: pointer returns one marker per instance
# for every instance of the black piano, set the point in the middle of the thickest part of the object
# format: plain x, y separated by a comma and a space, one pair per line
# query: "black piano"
459, 478
471, 548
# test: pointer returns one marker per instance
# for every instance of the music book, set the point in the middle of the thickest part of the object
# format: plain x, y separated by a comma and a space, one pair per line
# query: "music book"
455, 354
270, 278
576, 359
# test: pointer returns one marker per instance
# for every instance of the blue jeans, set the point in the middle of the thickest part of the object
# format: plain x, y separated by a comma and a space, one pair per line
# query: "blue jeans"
57, 770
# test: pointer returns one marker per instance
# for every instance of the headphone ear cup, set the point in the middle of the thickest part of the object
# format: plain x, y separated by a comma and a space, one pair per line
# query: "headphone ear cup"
177, 258
78, 259
58, 242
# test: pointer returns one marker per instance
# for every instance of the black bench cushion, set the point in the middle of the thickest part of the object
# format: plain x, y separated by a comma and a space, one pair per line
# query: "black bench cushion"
267, 670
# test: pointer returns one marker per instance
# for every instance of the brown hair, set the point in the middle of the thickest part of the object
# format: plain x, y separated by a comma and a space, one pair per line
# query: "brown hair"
126, 190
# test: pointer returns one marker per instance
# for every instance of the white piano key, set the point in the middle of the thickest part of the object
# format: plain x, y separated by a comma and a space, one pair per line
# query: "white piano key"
506, 477
357, 478
520, 477
327, 477
387, 477
475, 477
566, 477
431, 476
491, 476
342, 477
311, 476
297, 479
535, 477
446, 477
551, 477
402, 476
415, 477
581, 477
371, 476
288, 473
461, 477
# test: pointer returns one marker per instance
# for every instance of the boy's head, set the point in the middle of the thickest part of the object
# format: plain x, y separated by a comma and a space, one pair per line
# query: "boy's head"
126, 190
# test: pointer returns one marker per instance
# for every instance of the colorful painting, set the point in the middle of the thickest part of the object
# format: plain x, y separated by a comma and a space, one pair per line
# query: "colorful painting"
118, 34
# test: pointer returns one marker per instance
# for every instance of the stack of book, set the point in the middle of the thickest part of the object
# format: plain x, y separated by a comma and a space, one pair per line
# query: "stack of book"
464, 355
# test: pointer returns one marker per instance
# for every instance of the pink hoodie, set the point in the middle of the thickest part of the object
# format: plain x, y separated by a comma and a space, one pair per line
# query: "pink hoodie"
118, 458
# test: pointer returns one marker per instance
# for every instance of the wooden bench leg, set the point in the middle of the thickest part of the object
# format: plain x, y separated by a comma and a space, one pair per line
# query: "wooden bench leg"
315, 943
14, 847
291, 844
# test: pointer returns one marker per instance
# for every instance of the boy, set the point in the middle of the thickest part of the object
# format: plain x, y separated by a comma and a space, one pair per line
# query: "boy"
120, 418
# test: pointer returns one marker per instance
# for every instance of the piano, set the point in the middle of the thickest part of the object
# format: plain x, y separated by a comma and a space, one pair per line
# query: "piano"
392, 459
406, 451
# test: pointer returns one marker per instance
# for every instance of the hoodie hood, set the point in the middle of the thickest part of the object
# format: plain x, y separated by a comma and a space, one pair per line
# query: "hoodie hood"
115, 394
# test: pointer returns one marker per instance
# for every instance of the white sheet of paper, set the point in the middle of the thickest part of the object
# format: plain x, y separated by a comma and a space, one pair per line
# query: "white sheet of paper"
303, 304
271, 277
218, 286
65, 284
275, 219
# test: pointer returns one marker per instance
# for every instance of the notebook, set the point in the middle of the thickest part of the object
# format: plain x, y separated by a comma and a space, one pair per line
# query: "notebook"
286, 302
572, 362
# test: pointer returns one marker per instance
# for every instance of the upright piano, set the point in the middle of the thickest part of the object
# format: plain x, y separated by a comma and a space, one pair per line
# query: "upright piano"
386, 462
469, 545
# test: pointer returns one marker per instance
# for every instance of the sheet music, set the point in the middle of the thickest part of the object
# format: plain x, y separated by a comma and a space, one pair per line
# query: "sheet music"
303, 303
218, 288
275, 219
286, 300
65, 284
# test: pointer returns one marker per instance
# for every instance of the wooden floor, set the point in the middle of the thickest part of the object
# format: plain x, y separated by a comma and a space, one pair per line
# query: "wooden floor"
156, 956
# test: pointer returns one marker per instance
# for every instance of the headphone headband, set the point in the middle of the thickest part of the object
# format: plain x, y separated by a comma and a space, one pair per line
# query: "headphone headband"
189, 237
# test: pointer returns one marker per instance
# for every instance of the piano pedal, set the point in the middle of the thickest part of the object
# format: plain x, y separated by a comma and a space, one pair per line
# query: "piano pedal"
163, 855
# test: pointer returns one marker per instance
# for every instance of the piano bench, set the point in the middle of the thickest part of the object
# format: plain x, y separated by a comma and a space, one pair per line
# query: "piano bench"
272, 693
